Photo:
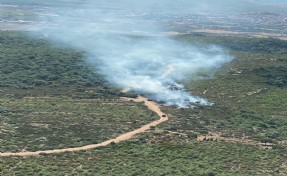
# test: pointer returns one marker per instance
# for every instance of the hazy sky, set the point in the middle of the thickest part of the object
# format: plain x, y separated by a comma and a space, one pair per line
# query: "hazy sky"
178, 6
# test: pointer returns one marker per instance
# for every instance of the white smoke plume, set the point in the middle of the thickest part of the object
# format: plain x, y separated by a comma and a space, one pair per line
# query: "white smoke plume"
123, 46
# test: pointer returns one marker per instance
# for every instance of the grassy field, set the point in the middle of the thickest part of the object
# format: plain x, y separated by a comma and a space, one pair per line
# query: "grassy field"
50, 98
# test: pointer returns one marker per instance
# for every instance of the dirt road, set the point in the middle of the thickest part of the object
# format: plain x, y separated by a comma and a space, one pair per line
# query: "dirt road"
150, 104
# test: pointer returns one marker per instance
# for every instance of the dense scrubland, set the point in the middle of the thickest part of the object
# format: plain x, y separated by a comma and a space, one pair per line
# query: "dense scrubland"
50, 98
249, 93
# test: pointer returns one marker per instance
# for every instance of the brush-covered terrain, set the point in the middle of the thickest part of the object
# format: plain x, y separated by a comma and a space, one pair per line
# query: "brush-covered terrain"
250, 94
50, 98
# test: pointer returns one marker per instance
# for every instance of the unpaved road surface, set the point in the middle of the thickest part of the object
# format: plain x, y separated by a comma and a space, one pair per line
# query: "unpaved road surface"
150, 104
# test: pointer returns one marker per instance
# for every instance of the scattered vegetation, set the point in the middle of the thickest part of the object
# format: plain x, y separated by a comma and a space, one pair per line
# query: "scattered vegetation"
132, 158
250, 94
42, 123
49, 98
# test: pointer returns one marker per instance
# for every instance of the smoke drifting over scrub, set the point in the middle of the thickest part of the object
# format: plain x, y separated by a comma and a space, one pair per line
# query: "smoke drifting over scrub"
119, 48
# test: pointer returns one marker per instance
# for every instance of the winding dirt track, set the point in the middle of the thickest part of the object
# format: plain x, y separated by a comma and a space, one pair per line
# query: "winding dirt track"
150, 104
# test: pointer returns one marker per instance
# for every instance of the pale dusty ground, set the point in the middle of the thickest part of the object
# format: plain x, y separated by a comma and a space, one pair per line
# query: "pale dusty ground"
247, 34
